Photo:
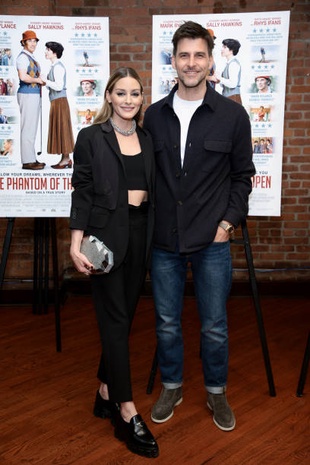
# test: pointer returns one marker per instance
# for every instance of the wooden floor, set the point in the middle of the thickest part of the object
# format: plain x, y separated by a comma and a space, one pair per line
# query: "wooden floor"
47, 397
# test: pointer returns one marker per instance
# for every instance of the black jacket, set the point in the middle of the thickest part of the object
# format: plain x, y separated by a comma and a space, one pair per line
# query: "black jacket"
215, 180
100, 195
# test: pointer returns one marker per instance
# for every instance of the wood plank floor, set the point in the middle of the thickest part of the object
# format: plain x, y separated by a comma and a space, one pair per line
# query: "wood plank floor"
47, 397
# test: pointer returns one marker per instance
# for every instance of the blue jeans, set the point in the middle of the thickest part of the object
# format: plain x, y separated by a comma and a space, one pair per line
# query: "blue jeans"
212, 275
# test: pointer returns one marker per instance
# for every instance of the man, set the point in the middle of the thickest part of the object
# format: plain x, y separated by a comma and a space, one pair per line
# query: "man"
231, 76
263, 55
88, 88
6, 57
263, 84
29, 100
203, 153
3, 118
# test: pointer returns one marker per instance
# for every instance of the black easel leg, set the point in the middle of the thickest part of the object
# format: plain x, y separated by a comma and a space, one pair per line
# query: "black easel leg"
41, 246
6, 248
56, 284
45, 277
153, 372
259, 316
304, 369
35, 265
44, 232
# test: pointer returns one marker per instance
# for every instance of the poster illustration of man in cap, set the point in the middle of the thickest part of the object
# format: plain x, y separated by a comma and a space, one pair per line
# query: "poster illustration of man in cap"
88, 87
263, 84
29, 99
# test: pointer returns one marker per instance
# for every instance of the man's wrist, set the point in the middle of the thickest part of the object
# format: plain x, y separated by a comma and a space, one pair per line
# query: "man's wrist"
228, 227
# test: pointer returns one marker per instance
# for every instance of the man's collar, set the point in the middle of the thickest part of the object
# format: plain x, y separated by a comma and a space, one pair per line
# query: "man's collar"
209, 97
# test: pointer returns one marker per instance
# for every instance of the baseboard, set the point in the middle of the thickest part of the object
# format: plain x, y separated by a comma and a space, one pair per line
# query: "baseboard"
22, 294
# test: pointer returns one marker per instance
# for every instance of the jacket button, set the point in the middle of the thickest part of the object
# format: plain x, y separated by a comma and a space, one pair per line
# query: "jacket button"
180, 202
177, 175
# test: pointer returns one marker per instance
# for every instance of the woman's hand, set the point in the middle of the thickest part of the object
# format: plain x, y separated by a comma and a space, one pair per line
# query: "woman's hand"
79, 259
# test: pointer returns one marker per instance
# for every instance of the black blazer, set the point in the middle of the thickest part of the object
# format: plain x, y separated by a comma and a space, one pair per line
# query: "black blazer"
100, 195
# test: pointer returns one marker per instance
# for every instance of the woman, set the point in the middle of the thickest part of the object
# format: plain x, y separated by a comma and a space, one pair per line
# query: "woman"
112, 200
7, 147
60, 136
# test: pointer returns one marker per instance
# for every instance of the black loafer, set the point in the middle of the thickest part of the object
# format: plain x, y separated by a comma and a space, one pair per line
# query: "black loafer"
104, 408
136, 435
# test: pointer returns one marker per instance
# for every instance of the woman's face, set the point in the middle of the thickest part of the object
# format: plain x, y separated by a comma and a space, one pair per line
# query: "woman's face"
126, 98
6, 146
49, 54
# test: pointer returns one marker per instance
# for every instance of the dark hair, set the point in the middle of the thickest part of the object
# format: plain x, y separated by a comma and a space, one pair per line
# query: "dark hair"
106, 110
232, 44
56, 47
192, 30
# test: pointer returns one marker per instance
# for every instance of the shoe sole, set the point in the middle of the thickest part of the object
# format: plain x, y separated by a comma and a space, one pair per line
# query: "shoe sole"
156, 420
149, 453
223, 428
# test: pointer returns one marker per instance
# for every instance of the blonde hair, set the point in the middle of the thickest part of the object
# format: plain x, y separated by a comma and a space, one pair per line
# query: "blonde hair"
106, 111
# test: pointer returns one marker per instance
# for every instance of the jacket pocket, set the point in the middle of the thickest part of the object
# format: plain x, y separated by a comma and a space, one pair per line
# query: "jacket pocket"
99, 217
219, 146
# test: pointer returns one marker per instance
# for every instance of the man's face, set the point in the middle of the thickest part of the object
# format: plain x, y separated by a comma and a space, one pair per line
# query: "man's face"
87, 87
191, 62
262, 84
30, 45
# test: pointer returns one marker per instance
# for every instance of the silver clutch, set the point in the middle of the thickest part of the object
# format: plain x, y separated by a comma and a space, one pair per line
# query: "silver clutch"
98, 254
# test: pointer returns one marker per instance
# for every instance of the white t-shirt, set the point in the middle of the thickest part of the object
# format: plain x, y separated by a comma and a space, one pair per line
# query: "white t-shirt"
184, 110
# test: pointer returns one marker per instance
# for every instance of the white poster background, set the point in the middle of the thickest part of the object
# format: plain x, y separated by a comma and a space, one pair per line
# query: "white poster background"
255, 31
47, 193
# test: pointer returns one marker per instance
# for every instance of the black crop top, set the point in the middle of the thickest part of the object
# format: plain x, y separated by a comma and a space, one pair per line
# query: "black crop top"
135, 172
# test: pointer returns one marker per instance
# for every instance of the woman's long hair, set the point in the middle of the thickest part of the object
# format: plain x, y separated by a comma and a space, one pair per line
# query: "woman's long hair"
106, 110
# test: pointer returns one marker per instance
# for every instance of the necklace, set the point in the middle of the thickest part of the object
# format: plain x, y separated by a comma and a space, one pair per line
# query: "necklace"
123, 131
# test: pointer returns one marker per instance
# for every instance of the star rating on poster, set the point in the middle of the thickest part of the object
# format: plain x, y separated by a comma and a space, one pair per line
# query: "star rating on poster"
88, 35
87, 72
262, 125
266, 30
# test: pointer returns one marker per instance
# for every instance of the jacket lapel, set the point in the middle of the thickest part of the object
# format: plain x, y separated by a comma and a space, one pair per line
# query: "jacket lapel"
145, 149
112, 140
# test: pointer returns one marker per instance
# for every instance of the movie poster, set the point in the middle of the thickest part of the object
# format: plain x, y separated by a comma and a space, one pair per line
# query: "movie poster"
47, 192
262, 60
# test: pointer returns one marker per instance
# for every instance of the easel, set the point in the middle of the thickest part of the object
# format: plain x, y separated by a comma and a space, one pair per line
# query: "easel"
304, 369
259, 317
44, 230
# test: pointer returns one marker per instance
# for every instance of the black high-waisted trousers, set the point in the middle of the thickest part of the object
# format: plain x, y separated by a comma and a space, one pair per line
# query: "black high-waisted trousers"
115, 296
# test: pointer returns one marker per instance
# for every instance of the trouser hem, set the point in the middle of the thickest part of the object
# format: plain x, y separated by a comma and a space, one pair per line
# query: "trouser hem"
171, 385
216, 389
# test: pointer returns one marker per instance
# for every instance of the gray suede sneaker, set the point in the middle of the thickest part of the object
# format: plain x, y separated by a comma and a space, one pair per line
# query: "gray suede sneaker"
168, 399
223, 416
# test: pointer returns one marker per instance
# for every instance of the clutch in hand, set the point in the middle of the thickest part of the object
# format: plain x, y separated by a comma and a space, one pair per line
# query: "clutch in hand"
98, 254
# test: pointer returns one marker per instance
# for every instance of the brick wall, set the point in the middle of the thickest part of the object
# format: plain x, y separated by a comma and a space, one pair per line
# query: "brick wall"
280, 245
